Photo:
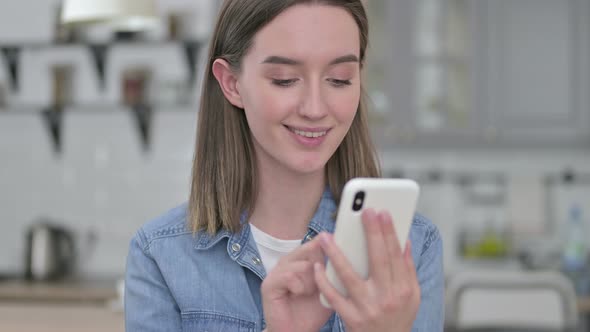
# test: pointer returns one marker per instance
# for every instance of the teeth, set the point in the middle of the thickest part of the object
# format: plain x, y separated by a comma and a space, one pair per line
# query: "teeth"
309, 133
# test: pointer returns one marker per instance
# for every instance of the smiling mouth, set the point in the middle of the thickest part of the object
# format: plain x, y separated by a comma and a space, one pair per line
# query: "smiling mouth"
308, 134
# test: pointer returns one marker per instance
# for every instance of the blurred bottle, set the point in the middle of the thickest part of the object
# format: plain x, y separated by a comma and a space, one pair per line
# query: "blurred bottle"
574, 253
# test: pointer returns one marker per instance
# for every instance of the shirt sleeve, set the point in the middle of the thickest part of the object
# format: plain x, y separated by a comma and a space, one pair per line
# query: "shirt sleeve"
149, 305
430, 317
338, 325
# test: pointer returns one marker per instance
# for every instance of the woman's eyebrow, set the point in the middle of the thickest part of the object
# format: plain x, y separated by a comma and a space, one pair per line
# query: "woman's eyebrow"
280, 60
345, 58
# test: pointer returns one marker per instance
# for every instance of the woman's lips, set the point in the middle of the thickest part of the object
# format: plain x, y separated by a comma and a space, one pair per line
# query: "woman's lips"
309, 137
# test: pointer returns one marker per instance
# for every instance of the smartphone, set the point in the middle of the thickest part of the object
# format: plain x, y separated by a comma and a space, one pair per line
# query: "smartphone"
396, 196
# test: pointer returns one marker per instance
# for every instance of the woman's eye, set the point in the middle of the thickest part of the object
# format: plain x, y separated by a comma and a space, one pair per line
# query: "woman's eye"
284, 83
339, 83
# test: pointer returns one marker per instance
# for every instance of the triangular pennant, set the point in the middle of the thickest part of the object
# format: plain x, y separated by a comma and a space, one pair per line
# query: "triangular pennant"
11, 55
99, 57
52, 117
143, 118
190, 50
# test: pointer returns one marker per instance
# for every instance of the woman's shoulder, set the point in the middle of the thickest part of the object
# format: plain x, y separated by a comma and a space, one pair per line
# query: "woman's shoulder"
424, 233
171, 223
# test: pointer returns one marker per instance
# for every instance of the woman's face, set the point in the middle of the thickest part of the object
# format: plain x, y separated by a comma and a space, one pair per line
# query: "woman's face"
300, 86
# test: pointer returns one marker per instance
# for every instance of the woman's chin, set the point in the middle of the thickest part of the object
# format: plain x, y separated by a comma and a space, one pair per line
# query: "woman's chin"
309, 166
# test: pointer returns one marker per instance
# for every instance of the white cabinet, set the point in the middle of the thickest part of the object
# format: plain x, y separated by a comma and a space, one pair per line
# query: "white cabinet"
500, 73
537, 70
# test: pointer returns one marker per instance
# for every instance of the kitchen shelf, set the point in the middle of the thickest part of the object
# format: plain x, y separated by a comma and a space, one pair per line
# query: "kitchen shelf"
99, 51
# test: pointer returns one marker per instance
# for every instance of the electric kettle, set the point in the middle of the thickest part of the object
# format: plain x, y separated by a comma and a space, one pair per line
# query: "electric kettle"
50, 252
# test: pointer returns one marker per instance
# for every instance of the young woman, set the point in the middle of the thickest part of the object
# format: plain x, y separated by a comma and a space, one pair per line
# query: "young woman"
282, 127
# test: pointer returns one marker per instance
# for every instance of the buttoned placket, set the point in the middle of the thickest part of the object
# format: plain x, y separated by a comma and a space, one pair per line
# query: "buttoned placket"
242, 249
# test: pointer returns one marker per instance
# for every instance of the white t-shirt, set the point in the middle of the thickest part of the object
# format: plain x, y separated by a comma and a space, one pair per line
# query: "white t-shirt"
272, 249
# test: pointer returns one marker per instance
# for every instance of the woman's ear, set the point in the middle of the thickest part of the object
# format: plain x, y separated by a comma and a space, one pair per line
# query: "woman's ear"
228, 82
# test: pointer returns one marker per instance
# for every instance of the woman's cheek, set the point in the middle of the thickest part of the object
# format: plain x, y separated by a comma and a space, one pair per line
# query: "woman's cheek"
345, 106
279, 103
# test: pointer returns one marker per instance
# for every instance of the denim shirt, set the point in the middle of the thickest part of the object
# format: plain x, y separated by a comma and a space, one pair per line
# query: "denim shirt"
180, 281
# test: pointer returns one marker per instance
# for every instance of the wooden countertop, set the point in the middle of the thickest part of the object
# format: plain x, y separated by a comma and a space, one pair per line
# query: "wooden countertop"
67, 306
63, 291
72, 317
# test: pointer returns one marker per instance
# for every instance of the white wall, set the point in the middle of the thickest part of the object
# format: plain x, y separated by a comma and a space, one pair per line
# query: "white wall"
532, 208
103, 183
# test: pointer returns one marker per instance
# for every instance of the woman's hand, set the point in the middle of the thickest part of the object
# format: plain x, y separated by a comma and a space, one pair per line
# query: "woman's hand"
290, 296
389, 298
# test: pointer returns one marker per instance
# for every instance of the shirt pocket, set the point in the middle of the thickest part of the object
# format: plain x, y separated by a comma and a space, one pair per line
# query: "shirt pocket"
214, 322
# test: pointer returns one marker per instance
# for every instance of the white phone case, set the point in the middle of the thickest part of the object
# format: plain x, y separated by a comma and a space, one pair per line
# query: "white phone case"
397, 196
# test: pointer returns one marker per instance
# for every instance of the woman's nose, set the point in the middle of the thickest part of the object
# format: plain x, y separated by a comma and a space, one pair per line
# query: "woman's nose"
313, 106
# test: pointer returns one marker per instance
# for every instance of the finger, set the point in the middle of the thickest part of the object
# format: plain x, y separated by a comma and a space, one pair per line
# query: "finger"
390, 234
310, 251
412, 273
396, 260
379, 262
295, 285
350, 279
300, 278
410, 260
295, 277
339, 303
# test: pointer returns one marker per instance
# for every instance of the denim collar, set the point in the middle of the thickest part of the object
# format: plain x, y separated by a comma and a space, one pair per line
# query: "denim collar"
322, 221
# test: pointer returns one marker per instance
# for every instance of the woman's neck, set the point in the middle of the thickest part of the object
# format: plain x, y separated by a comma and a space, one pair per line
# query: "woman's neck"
286, 202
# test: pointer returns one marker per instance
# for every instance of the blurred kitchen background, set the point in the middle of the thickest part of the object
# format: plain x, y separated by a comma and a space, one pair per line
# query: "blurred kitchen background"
485, 103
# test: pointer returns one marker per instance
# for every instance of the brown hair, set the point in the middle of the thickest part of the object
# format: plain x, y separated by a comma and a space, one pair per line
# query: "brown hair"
224, 175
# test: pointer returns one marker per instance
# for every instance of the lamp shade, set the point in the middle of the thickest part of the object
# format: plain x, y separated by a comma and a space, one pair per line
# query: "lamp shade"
140, 12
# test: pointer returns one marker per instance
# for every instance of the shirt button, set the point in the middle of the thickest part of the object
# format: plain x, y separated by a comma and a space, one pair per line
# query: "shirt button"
236, 247
256, 260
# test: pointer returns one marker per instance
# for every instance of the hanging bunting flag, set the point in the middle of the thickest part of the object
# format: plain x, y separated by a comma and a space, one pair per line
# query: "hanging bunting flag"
52, 117
11, 55
143, 118
190, 50
99, 57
